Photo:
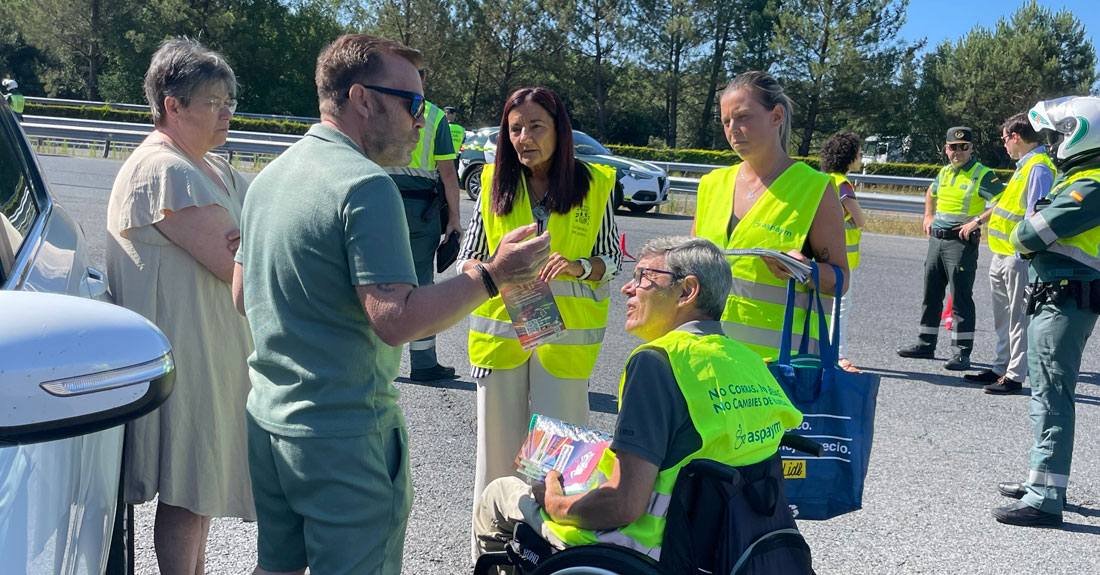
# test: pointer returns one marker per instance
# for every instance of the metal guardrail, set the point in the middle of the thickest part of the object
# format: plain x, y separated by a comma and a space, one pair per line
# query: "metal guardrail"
247, 142
144, 108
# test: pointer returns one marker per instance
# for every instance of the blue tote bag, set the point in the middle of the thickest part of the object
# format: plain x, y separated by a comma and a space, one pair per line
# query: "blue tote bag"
838, 411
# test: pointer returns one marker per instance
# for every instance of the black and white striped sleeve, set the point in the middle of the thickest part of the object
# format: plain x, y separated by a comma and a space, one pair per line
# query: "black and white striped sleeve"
475, 246
607, 244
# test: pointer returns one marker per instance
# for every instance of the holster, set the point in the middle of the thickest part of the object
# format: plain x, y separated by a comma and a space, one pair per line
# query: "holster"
1085, 294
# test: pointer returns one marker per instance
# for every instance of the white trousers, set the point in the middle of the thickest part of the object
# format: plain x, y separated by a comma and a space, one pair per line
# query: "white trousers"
845, 309
506, 399
1008, 283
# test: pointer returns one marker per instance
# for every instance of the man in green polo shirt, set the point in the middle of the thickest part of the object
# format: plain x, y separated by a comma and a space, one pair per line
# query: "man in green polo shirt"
953, 210
325, 275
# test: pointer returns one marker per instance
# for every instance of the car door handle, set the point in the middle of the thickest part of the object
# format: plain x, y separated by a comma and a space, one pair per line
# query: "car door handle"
96, 284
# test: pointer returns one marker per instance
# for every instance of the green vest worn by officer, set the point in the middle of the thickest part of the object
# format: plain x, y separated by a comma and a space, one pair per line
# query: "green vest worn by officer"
956, 193
458, 135
1073, 257
852, 233
16, 101
1012, 205
736, 407
780, 220
583, 303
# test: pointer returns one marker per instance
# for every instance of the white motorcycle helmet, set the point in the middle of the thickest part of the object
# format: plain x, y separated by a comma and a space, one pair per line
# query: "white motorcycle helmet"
10, 84
1071, 126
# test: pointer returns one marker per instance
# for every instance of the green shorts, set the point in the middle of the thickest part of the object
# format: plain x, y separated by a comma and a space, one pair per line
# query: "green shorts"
337, 504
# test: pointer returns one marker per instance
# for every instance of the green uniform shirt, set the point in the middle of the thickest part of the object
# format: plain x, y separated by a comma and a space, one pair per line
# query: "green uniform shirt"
988, 188
318, 221
1067, 217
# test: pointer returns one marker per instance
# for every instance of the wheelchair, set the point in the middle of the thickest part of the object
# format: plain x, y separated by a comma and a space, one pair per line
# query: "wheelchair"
722, 520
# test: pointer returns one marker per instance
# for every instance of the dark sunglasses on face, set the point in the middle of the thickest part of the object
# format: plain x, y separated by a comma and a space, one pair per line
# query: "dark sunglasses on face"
416, 101
963, 147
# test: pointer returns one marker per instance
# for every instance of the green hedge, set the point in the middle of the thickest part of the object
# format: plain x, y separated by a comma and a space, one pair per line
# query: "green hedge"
112, 115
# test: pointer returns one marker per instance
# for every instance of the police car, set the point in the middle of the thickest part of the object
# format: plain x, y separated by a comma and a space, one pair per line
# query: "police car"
640, 185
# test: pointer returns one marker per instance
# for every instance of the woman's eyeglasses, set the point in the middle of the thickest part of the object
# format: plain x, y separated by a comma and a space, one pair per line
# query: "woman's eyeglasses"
216, 104
416, 101
963, 147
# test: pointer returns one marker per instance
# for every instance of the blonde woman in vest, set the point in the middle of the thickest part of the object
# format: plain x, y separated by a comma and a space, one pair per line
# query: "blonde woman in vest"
839, 156
768, 201
535, 173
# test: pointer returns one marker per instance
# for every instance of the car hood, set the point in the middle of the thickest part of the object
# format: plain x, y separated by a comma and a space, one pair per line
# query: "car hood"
621, 163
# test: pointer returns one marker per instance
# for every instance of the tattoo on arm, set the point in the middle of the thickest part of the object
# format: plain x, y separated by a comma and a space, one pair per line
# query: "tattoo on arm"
823, 255
384, 288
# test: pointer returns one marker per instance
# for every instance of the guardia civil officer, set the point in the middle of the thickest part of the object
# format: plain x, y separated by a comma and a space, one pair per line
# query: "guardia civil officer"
1063, 241
953, 210
426, 184
14, 97
1032, 180
458, 133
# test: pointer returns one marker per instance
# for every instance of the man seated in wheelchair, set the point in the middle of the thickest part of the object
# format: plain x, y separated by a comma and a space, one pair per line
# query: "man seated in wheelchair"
690, 392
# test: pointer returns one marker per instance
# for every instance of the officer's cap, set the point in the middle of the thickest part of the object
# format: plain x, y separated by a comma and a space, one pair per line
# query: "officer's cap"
960, 134
450, 110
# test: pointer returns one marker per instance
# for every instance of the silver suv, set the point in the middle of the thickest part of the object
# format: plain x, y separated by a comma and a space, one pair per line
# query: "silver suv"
73, 369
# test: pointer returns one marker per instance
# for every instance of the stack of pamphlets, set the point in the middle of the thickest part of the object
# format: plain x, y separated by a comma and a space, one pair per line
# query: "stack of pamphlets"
798, 270
572, 450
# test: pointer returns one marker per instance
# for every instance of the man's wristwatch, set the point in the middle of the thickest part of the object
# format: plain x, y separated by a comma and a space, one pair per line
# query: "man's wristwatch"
977, 220
587, 266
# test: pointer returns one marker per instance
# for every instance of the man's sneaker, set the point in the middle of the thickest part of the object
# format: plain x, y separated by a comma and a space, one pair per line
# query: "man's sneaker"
1024, 515
917, 351
958, 362
1004, 386
985, 377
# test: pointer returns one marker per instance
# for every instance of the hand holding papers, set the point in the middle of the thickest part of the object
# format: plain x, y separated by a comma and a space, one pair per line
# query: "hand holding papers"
572, 450
798, 270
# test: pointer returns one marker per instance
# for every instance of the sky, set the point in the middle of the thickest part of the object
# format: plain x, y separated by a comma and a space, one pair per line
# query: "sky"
939, 20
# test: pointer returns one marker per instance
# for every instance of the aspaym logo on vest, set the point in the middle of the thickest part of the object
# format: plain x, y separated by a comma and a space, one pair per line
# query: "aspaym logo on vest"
773, 228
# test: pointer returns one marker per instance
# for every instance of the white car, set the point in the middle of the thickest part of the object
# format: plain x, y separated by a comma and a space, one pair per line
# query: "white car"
73, 369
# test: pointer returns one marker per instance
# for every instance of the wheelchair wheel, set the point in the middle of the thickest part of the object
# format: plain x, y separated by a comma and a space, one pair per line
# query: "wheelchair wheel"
597, 560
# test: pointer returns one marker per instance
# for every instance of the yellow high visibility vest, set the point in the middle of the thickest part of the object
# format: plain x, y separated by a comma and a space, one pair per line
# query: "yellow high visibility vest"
492, 341
736, 407
1085, 246
1012, 206
422, 163
16, 102
852, 233
780, 220
458, 135
957, 198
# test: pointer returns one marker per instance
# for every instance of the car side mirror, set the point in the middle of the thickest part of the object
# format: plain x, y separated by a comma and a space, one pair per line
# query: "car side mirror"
71, 366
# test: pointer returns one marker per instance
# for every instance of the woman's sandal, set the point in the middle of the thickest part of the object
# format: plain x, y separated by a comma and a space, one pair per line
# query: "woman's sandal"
848, 366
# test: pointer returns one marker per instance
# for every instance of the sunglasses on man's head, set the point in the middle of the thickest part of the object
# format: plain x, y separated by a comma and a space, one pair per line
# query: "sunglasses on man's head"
963, 147
416, 101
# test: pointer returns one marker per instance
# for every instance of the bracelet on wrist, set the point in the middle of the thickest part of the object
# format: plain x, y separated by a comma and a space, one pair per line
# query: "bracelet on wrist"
487, 279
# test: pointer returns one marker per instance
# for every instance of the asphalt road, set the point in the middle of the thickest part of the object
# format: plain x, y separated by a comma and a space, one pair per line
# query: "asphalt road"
940, 445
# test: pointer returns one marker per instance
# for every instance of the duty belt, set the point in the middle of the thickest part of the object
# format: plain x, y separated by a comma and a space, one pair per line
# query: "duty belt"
953, 234
1085, 293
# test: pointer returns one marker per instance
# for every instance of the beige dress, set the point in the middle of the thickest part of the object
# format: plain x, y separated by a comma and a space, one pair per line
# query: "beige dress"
192, 450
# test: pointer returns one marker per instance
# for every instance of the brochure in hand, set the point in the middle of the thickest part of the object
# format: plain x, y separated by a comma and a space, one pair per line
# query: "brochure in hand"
534, 313
573, 450
798, 270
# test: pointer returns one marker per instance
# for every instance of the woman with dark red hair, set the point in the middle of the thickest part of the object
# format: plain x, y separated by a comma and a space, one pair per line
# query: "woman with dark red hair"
536, 177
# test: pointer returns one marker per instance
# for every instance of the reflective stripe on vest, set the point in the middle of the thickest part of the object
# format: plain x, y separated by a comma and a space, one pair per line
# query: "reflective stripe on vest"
955, 195
492, 340
780, 219
852, 233
738, 423
1085, 246
1012, 206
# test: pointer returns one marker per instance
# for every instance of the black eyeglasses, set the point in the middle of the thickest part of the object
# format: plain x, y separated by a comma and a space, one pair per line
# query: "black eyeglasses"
963, 147
416, 101
640, 273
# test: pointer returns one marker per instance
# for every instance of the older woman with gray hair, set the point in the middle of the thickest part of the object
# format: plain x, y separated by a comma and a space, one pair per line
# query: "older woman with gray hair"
172, 221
